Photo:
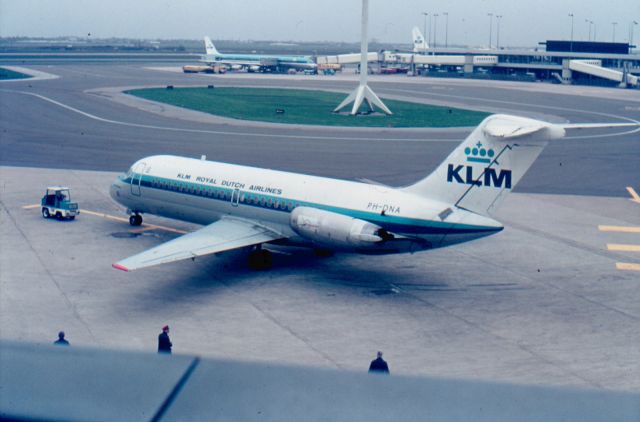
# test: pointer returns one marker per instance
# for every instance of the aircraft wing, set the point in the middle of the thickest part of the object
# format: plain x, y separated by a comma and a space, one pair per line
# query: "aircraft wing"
223, 235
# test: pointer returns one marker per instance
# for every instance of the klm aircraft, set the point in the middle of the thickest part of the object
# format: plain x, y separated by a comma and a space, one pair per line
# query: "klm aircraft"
257, 62
419, 43
246, 207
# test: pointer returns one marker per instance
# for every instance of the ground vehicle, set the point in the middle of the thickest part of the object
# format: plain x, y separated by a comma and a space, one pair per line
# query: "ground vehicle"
56, 202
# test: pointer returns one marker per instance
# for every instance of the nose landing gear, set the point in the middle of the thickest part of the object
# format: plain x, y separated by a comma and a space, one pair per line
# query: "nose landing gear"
135, 219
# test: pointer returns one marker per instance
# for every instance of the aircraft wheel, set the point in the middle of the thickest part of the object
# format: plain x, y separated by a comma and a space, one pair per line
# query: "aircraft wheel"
45, 213
260, 259
323, 253
135, 220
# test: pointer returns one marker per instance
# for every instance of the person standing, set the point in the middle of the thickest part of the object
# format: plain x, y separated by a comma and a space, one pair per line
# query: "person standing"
164, 343
61, 340
378, 365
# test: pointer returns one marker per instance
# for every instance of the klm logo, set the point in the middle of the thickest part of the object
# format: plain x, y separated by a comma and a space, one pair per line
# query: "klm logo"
489, 177
477, 154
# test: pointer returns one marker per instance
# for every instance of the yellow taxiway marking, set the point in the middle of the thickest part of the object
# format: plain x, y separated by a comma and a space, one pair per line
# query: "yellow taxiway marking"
623, 248
624, 229
621, 229
634, 195
144, 227
627, 266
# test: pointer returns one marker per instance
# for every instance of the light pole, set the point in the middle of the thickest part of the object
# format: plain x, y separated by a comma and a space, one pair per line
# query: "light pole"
425, 26
632, 24
498, 17
490, 27
588, 22
435, 29
614, 30
464, 27
594, 30
446, 29
571, 45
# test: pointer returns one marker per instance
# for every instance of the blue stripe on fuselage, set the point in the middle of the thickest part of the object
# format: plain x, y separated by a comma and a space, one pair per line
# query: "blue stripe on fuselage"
391, 223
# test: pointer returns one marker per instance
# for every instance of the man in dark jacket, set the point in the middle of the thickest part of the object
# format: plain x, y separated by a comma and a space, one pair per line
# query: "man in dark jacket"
61, 340
164, 343
378, 365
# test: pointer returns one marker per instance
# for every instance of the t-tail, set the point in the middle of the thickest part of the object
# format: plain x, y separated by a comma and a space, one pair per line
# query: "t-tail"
209, 47
487, 165
419, 43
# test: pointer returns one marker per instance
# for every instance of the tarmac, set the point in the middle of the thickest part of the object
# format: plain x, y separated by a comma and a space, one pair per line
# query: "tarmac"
542, 303
552, 300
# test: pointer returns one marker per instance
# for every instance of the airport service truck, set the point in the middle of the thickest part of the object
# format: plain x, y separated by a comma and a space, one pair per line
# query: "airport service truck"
56, 202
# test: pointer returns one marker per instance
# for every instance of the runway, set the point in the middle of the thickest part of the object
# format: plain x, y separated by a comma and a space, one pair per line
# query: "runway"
544, 302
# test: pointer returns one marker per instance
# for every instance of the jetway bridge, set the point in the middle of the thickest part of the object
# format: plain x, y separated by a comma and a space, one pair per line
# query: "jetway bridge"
595, 68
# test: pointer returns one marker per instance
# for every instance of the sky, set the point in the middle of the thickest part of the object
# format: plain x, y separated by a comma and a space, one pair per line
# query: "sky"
523, 23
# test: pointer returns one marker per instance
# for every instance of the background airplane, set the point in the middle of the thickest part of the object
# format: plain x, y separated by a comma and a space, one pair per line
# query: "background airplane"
419, 43
256, 62
247, 207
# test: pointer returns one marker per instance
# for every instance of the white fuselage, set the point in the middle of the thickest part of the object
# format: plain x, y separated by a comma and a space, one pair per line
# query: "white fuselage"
202, 192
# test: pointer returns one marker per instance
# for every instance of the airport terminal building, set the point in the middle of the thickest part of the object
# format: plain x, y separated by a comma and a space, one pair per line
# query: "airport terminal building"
577, 62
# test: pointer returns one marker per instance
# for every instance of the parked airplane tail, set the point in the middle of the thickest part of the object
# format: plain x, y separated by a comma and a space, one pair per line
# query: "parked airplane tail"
419, 43
209, 47
487, 165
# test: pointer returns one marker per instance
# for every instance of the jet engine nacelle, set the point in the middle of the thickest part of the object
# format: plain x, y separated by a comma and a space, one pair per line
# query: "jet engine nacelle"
336, 230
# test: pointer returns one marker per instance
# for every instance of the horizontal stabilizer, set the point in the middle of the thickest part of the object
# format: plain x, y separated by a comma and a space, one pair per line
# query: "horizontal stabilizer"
507, 128
596, 125
498, 128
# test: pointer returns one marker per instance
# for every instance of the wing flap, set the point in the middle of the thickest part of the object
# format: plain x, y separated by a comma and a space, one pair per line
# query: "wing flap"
223, 235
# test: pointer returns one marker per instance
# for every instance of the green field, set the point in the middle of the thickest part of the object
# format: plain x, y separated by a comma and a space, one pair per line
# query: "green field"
10, 74
305, 107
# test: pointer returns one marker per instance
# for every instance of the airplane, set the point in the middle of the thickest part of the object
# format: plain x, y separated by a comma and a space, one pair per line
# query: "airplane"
247, 207
419, 43
256, 62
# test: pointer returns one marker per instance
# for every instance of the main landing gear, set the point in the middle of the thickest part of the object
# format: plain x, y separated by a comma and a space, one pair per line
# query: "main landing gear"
135, 219
260, 259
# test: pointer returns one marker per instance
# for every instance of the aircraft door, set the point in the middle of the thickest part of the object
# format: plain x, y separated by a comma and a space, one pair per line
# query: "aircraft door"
235, 197
137, 179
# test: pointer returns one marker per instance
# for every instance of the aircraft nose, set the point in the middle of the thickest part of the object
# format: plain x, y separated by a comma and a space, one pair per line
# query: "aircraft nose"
114, 190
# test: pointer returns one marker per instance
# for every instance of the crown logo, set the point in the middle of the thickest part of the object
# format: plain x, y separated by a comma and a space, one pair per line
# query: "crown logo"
477, 154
